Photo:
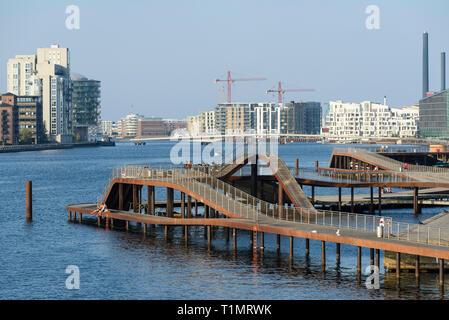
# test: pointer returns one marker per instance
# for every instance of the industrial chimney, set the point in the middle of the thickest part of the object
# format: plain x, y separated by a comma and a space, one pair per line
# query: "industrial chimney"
425, 64
443, 71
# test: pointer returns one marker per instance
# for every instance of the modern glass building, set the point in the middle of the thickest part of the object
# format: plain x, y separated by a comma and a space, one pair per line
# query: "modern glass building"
85, 105
434, 115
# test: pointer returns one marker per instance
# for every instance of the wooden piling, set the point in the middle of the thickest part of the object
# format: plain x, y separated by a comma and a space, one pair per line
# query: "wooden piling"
323, 254
29, 200
278, 242
291, 247
307, 247
359, 260
441, 261
380, 201
234, 238
337, 254
417, 266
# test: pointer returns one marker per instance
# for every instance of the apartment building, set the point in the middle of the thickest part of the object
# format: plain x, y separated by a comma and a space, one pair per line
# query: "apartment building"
9, 125
46, 74
348, 121
129, 125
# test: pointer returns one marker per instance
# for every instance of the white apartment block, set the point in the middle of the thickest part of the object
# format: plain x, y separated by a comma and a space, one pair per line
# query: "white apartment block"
268, 118
194, 127
106, 127
348, 121
21, 76
130, 125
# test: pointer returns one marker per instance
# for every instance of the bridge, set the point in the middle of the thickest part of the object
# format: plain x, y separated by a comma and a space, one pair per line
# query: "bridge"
225, 205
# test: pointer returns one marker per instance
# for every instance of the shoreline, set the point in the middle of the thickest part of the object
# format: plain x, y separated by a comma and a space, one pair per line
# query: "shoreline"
54, 146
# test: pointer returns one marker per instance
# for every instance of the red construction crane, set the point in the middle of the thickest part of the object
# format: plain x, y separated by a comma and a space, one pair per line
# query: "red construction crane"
229, 80
280, 91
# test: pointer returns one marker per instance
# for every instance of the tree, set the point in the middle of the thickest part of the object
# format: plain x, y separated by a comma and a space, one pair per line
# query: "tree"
25, 136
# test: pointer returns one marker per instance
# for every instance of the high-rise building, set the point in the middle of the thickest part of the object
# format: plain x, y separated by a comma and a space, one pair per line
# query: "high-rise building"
85, 105
47, 74
304, 117
234, 118
433, 115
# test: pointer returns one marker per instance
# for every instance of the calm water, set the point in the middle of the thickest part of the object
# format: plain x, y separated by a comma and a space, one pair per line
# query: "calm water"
128, 265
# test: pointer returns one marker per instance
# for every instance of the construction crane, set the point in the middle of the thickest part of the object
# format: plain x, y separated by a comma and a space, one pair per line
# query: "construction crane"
281, 91
229, 80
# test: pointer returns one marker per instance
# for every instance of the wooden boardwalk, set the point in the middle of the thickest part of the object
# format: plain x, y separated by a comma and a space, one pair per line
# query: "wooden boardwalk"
231, 208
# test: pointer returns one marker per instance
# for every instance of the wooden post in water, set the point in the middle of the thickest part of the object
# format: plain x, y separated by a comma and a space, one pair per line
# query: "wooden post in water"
371, 254
313, 194
380, 201
120, 196
316, 165
278, 242
339, 198
280, 200
29, 200
189, 207
307, 247
262, 241
183, 205
416, 208
352, 199
359, 260
135, 200
150, 200
417, 267
234, 238
323, 254
371, 204
378, 258
398, 265
338, 253
441, 272
296, 166
170, 194
291, 247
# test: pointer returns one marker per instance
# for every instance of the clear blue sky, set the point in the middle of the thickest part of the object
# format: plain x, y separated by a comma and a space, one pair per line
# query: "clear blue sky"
162, 56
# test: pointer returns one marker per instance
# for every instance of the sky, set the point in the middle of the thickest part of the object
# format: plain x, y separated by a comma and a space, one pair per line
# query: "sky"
159, 58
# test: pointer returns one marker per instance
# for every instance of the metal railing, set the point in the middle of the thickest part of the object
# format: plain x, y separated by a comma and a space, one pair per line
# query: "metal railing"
389, 163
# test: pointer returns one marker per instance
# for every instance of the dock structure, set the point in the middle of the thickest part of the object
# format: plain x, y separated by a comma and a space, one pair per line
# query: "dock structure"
225, 205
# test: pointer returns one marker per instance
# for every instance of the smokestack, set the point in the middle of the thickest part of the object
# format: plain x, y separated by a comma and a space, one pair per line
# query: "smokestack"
443, 71
425, 64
